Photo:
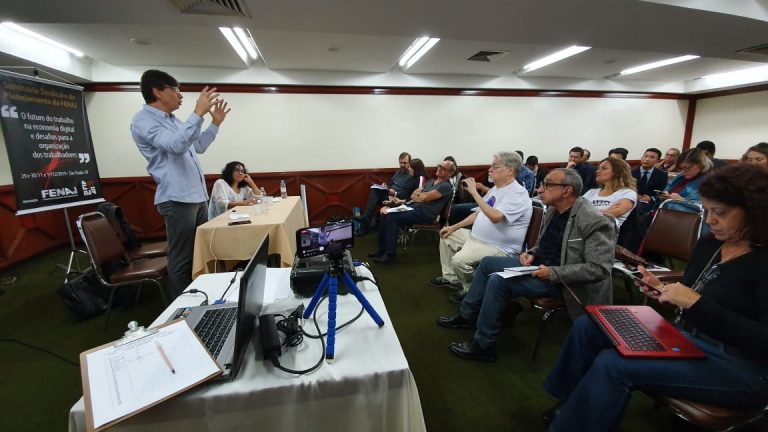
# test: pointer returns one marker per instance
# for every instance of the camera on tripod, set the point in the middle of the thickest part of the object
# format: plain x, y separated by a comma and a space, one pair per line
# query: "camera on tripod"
317, 249
332, 239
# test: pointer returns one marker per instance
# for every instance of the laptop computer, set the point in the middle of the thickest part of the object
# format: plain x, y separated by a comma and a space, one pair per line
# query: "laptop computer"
639, 331
226, 328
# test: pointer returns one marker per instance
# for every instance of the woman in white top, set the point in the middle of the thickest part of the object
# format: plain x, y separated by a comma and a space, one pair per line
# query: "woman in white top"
617, 195
234, 188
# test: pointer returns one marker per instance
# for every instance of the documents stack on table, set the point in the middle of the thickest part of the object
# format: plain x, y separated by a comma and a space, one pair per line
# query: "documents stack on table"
368, 386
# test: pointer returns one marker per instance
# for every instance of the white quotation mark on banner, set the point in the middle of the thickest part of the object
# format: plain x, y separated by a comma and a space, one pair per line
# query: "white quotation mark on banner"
9, 112
84, 157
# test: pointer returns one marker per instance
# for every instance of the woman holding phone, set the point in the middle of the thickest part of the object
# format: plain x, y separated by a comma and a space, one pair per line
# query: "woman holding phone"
693, 164
723, 299
234, 188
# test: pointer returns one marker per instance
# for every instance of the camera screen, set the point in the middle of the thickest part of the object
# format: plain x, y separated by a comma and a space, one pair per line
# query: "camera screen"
319, 240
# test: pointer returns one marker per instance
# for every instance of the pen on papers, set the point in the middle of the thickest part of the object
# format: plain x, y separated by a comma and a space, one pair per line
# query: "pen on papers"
165, 357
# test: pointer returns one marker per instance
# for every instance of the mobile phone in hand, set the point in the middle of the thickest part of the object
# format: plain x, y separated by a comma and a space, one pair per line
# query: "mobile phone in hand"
645, 285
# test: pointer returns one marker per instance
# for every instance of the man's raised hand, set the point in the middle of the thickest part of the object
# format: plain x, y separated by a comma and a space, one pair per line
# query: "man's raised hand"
207, 99
219, 112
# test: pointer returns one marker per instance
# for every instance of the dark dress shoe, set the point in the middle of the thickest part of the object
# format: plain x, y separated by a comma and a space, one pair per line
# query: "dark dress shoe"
457, 297
455, 322
441, 282
472, 351
549, 415
374, 254
385, 259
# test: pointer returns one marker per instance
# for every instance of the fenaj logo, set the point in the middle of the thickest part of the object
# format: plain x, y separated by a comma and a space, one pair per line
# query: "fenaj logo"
59, 193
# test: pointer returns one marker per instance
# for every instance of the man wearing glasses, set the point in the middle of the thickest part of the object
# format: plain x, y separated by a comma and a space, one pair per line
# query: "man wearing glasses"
170, 147
576, 246
498, 226
428, 202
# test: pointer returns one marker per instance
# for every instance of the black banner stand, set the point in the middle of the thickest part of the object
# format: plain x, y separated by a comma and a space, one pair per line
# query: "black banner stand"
73, 248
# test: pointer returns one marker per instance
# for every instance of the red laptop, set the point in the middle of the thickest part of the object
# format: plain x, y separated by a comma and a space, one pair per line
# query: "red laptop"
640, 332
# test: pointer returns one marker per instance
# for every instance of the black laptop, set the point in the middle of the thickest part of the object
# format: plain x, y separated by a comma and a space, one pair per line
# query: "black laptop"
226, 328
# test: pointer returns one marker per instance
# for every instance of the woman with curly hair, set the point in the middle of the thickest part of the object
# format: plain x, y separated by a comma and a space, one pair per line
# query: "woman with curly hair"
723, 300
234, 188
617, 195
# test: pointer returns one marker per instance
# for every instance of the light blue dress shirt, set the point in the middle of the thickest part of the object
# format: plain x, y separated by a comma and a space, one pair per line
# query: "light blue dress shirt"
168, 146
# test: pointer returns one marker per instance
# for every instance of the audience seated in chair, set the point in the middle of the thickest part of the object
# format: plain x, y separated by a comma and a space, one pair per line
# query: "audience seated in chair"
498, 226
400, 186
724, 302
616, 196
428, 203
757, 155
669, 163
576, 246
578, 162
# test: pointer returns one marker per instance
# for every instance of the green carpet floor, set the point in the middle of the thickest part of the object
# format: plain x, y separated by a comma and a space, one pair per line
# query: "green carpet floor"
456, 395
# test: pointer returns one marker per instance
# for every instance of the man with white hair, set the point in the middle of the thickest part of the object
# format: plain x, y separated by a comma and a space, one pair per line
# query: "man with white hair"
499, 224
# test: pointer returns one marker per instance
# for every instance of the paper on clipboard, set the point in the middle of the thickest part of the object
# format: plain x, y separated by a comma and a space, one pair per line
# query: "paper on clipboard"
517, 271
120, 380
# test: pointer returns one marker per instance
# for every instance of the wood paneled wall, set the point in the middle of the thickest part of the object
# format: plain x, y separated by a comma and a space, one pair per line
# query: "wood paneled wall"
329, 194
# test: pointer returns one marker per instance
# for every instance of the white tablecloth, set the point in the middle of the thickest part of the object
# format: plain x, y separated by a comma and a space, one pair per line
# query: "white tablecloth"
367, 387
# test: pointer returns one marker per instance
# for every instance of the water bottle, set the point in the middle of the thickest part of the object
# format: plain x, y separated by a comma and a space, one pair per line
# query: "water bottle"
283, 190
263, 193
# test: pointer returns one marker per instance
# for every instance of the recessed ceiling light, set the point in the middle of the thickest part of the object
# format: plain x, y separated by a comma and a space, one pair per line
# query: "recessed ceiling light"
743, 76
242, 42
418, 48
553, 58
42, 38
657, 64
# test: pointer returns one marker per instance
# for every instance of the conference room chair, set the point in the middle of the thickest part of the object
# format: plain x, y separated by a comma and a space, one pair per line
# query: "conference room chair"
409, 232
711, 417
114, 214
111, 264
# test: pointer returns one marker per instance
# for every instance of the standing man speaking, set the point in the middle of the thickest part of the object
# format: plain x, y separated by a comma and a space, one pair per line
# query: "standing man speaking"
170, 147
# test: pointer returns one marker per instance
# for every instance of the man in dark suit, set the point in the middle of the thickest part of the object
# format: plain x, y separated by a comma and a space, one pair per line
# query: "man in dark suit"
649, 178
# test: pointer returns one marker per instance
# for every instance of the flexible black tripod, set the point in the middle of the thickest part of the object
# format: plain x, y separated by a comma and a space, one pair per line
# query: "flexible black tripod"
330, 281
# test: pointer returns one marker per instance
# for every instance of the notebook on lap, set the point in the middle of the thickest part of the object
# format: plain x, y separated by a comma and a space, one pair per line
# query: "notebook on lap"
639, 331
226, 328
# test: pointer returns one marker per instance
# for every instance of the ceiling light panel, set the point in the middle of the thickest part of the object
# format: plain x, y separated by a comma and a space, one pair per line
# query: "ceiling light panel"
242, 42
657, 64
554, 58
41, 38
416, 51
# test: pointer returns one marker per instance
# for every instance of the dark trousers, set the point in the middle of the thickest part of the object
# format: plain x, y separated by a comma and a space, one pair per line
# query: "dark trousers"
181, 220
459, 212
389, 228
374, 202
596, 382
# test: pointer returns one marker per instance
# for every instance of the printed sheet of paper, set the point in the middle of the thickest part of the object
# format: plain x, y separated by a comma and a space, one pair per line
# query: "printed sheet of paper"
124, 379
517, 271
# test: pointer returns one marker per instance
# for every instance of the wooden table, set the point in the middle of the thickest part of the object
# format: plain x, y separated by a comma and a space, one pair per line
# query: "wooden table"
216, 241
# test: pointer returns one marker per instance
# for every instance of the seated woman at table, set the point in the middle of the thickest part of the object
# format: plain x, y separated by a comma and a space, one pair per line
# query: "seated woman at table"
723, 298
616, 195
234, 188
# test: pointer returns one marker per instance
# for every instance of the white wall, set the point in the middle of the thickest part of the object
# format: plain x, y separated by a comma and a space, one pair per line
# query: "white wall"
295, 132
734, 123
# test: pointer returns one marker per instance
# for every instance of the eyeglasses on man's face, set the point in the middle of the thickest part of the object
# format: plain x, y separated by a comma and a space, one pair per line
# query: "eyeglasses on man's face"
440, 167
175, 89
494, 167
546, 184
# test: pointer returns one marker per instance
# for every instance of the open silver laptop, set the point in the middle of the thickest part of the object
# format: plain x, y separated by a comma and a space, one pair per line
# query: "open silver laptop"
226, 328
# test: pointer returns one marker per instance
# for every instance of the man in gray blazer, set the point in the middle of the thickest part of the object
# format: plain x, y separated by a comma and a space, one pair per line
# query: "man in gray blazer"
576, 246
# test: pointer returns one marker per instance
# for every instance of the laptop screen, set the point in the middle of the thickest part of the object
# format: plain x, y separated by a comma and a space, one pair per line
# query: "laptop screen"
250, 302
